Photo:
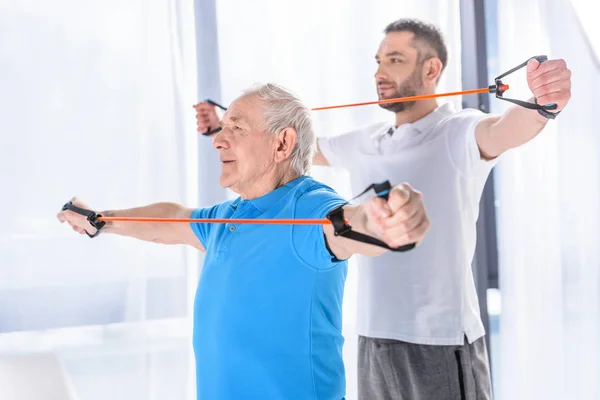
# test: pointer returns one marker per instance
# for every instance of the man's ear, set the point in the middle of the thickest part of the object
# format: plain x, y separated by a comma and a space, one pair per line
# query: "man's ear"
285, 144
432, 68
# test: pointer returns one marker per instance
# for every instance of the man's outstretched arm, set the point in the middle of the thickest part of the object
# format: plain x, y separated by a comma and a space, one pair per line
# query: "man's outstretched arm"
156, 232
550, 82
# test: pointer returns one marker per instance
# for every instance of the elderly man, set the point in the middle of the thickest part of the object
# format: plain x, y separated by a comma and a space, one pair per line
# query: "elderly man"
267, 316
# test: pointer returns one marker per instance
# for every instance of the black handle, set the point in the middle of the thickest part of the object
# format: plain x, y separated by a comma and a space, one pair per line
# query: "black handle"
92, 217
210, 132
214, 103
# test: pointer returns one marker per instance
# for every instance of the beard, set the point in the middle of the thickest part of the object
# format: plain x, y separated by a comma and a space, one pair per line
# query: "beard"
410, 87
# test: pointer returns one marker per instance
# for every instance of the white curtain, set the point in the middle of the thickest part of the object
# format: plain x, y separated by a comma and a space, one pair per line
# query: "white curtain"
324, 51
586, 13
96, 102
549, 220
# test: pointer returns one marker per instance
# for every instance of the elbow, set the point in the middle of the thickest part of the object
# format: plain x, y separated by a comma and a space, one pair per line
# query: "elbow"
163, 240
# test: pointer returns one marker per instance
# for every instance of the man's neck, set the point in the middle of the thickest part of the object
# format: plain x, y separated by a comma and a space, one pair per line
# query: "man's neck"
266, 185
419, 110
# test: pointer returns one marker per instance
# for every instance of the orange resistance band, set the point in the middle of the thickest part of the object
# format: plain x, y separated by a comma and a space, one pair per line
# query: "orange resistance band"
502, 88
222, 221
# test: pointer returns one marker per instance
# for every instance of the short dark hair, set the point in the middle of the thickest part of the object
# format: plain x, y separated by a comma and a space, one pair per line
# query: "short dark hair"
423, 32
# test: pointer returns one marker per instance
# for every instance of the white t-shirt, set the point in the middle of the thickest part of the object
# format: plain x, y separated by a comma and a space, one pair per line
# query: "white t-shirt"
426, 295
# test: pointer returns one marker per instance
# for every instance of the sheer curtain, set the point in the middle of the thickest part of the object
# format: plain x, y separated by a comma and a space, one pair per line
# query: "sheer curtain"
585, 11
96, 102
324, 51
549, 220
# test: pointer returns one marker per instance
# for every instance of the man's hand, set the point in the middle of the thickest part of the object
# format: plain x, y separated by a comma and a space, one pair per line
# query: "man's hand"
399, 221
550, 82
78, 222
206, 116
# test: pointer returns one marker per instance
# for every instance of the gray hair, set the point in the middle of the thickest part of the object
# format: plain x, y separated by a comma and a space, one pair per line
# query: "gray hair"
283, 109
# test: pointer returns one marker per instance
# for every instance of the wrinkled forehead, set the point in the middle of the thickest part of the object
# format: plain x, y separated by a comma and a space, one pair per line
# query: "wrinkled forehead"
246, 110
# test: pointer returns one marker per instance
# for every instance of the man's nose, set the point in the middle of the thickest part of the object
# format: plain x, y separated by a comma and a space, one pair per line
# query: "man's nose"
380, 73
220, 140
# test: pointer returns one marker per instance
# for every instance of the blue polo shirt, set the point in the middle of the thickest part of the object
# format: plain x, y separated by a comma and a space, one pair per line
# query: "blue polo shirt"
268, 308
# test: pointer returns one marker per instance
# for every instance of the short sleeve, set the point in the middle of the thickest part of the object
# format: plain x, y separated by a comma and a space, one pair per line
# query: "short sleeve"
309, 240
462, 144
343, 150
336, 149
202, 231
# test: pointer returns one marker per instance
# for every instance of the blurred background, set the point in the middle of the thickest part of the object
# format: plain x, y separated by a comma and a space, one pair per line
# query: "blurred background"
96, 101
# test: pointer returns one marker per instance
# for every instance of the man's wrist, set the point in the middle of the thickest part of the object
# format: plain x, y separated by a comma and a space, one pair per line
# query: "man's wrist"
541, 118
537, 116
108, 225
543, 114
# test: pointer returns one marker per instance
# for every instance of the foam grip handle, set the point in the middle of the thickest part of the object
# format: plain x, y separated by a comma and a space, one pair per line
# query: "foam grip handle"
382, 189
384, 194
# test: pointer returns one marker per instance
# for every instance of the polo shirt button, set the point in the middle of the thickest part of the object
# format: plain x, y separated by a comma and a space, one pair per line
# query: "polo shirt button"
232, 228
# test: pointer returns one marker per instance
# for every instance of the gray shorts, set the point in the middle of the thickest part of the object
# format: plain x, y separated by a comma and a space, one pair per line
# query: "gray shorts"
395, 370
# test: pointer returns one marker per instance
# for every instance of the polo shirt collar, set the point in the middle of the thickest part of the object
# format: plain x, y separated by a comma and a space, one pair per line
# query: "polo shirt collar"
420, 125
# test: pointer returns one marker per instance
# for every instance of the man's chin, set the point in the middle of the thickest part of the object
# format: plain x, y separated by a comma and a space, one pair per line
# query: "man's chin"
388, 95
398, 106
225, 182
228, 183
394, 107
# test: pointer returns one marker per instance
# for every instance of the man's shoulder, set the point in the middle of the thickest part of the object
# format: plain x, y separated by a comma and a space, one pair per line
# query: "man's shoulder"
316, 195
460, 119
312, 188
371, 128
362, 131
